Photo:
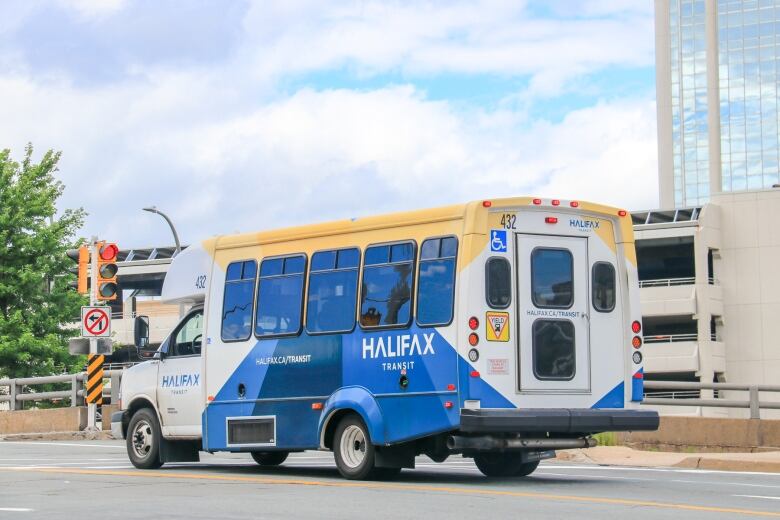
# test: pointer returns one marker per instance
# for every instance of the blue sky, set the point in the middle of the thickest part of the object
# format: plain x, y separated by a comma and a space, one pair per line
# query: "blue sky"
237, 116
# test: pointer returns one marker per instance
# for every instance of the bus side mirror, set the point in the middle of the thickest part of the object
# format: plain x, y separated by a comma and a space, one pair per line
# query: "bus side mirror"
141, 331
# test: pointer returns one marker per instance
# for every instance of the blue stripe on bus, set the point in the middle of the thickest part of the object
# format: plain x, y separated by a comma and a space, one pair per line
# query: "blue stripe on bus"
361, 370
615, 398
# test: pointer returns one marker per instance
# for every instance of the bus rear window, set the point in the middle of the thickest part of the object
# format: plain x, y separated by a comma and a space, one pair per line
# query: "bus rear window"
237, 302
498, 282
553, 349
552, 278
386, 293
603, 286
280, 296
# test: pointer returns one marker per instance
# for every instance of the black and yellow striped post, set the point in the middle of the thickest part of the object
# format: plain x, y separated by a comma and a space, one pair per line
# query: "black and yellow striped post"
95, 379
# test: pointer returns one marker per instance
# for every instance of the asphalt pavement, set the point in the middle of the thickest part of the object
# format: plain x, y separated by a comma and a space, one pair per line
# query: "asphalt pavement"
94, 479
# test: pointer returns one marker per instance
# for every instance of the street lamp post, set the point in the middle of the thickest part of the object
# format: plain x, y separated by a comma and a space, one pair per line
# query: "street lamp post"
154, 209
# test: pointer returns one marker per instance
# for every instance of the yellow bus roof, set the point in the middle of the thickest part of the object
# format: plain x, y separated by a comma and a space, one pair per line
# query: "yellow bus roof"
406, 218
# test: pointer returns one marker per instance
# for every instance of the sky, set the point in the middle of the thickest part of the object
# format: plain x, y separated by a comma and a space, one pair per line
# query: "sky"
236, 116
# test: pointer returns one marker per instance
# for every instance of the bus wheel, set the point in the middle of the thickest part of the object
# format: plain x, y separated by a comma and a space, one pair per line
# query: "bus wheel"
143, 440
353, 450
270, 458
504, 465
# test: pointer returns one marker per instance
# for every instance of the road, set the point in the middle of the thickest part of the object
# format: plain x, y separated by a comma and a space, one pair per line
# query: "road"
93, 479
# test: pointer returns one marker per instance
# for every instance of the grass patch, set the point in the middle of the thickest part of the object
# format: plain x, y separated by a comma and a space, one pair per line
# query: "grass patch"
606, 439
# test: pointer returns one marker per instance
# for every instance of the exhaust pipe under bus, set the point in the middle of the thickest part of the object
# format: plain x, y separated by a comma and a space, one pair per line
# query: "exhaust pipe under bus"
488, 442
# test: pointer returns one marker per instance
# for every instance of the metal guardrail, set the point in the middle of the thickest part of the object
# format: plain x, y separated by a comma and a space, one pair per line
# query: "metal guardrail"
753, 403
17, 395
673, 282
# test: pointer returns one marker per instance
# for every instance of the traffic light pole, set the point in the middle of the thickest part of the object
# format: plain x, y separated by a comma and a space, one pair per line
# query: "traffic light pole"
93, 273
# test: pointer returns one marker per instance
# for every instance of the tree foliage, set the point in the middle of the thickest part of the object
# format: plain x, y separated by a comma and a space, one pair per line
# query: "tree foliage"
37, 309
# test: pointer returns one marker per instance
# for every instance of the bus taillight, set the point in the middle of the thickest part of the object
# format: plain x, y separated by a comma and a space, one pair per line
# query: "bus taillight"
473, 323
636, 327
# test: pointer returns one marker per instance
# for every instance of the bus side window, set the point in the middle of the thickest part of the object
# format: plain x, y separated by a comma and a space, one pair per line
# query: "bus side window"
498, 282
238, 299
603, 287
280, 296
332, 295
436, 283
386, 292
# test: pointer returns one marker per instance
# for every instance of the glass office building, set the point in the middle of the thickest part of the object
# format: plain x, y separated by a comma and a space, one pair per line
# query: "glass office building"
717, 65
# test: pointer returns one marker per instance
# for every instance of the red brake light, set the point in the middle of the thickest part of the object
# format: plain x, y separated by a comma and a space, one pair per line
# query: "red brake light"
551, 220
556, 202
636, 327
473, 323
486, 203
574, 204
537, 201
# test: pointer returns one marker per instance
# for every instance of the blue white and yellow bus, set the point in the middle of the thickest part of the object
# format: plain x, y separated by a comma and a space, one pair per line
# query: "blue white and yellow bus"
500, 329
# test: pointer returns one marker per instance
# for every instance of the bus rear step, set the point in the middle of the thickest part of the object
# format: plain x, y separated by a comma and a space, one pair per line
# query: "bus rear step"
489, 442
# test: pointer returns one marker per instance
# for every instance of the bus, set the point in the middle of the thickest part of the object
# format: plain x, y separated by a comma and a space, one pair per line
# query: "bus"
500, 330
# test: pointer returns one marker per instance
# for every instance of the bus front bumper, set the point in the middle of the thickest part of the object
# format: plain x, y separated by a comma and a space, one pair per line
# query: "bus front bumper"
571, 421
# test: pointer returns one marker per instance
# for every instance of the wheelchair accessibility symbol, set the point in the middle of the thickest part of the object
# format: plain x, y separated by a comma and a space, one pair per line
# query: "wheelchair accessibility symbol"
498, 240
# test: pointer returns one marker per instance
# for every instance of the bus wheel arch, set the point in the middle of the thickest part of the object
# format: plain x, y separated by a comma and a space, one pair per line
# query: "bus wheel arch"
137, 404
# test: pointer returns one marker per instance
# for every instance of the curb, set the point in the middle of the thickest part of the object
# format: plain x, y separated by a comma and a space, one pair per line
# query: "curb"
729, 465
58, 436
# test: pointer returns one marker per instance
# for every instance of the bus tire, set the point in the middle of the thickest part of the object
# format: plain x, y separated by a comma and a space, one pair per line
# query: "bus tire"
270, 458
504, 465
355, 455
143, 439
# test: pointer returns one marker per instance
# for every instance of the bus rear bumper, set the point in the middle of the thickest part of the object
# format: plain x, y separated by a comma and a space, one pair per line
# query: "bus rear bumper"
583, 421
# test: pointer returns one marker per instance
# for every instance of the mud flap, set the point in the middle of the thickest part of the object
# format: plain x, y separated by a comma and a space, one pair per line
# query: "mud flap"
179, 451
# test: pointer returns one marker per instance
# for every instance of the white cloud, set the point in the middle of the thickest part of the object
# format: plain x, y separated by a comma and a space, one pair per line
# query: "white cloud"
315, 155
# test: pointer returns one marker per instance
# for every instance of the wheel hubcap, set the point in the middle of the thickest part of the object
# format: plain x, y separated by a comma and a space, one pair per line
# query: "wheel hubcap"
142, 439
353, 446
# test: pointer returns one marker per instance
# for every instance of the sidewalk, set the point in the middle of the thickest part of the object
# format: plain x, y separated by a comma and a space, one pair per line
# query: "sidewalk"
623, 456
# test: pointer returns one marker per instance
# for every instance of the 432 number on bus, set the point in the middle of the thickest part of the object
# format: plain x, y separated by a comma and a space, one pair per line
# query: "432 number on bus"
508, 220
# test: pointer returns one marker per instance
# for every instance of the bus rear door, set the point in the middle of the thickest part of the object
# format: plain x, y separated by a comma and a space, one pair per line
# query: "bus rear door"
554, 327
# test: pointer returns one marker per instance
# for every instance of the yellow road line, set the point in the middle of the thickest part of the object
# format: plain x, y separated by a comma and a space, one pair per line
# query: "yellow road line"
401, 487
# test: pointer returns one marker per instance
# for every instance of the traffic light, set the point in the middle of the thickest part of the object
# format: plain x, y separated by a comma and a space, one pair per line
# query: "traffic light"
81, 256
106, 271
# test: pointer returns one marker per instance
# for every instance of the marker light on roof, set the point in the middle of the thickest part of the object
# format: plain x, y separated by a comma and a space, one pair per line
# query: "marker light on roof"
537, 201
486, 203
556, 202
574, 204
622, 213
551, 220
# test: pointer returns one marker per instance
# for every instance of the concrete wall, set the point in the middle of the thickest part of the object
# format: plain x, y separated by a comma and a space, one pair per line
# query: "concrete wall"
750, 274
71, 419
715, 434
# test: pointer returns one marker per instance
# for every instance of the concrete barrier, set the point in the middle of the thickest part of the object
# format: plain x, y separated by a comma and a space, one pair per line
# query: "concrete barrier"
710, 433
43, 421
107, 410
